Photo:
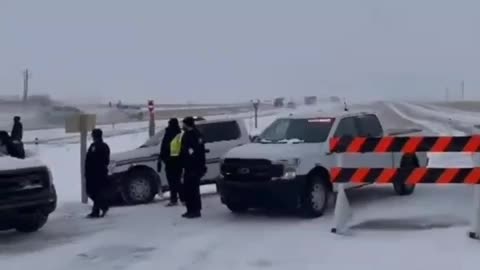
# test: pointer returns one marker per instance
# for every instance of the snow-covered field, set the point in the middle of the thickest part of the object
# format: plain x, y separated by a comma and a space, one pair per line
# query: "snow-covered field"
424, 231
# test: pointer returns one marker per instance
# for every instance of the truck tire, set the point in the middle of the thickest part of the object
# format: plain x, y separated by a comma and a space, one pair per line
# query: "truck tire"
403, 189
31, 223
237, 208
315, 199
139, 188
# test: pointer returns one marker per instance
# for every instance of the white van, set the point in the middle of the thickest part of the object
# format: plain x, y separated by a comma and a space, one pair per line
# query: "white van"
135, 173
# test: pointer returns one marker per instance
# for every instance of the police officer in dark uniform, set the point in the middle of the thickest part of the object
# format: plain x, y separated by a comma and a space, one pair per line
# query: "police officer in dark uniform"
17, 129
12, 148
96, 173
192, 156
169, 154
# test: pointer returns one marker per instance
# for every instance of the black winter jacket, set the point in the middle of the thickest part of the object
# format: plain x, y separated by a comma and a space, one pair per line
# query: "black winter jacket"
96, 163
17, 131
192, 154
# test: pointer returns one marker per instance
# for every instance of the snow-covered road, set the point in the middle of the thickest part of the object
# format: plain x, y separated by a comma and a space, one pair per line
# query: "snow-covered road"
424, 231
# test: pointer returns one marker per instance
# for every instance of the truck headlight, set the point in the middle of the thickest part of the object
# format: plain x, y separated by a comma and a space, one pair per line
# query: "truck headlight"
289, 168
289, 173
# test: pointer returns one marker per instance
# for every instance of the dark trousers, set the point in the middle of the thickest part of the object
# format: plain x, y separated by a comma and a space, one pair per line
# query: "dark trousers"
97, 192
173, 171
191, 187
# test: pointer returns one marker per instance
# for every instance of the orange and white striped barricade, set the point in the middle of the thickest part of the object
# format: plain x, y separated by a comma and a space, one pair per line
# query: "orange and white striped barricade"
342, 174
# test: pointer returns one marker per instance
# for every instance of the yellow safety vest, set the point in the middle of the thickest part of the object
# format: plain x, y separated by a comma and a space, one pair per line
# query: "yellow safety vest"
176, 145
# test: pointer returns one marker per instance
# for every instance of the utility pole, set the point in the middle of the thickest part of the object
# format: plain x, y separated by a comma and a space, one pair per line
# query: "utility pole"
462, 89
447, 94
26, 77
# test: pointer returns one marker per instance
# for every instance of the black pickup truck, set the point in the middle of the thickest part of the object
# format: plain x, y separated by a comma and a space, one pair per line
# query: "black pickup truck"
27, 196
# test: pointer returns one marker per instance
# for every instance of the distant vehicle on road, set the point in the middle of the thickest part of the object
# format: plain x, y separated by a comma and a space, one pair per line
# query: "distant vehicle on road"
135, 172
291, 105
27, 194
279, 102
310, 100
288, 164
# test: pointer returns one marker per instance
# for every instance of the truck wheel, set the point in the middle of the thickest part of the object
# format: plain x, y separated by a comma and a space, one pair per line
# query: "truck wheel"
139, 188
31, 223
315, 199
237, 208
403, 189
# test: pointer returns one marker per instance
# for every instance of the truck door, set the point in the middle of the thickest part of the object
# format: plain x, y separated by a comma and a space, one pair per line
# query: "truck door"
347, 127
370, 127
219, 138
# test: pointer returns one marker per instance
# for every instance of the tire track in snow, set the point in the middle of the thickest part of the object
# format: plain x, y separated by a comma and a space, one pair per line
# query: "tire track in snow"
426, 120
432, 121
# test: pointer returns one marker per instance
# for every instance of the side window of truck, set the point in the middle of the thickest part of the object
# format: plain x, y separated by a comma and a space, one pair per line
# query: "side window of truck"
346, 127
370, 126
221, 131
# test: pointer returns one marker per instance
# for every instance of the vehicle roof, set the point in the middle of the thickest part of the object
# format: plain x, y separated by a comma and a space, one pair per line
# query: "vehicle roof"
328, 114
217, 120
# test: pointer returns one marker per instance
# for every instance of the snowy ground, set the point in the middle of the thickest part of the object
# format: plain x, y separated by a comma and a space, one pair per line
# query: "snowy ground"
424, 231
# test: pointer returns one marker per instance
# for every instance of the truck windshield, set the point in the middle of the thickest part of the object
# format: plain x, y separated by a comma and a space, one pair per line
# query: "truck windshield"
313, 130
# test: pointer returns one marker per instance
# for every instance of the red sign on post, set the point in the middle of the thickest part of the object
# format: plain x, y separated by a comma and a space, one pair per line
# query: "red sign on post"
151, 107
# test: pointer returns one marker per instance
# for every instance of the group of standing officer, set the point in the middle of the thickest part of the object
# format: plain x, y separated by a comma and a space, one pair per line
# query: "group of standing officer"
183, 154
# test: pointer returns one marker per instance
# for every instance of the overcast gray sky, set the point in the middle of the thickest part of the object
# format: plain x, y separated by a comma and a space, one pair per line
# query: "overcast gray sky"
209, 51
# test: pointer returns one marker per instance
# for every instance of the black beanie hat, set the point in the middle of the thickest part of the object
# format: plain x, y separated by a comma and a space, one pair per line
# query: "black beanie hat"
173, 122
189, 121
97, 133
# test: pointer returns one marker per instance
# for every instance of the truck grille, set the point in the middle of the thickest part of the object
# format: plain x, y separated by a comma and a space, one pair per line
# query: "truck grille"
22, 183
250, 170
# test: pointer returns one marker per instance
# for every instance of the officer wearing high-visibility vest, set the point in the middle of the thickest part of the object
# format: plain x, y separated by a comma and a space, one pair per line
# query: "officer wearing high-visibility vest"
170, 155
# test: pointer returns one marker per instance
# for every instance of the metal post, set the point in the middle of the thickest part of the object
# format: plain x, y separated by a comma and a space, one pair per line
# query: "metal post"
83, 154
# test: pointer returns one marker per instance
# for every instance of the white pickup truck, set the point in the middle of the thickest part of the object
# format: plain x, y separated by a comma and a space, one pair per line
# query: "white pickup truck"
288, 164
135, 172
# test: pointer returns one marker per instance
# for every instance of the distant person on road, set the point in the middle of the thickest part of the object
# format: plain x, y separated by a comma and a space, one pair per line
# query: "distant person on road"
96, 174
170, 155
8, 147
17, 129
192, 155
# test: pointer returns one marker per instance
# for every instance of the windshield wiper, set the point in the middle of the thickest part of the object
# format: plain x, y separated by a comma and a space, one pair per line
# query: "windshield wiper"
291, 141
262, 140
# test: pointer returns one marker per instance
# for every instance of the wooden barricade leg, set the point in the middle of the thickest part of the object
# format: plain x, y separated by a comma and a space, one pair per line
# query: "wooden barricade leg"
343, 212
475, 223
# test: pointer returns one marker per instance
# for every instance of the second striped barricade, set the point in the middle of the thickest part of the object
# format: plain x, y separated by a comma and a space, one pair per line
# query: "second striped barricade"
342, 173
